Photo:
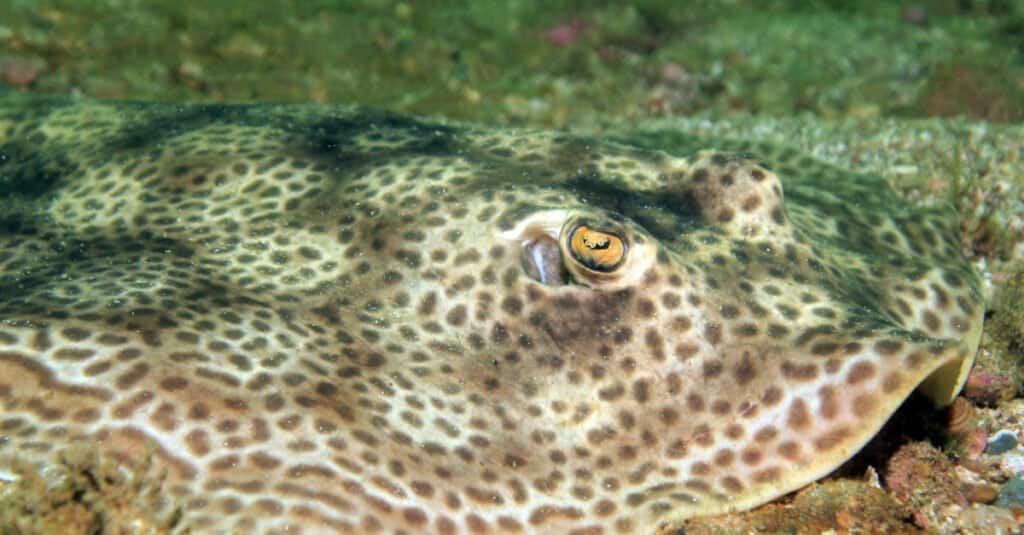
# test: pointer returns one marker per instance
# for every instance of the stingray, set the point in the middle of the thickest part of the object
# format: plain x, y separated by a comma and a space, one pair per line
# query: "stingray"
336, 319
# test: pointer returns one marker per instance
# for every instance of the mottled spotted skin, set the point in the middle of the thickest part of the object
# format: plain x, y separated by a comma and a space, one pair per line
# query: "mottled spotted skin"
330, 319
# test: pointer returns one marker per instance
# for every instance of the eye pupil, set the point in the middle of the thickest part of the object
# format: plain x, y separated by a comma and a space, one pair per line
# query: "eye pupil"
596, 250
603, 242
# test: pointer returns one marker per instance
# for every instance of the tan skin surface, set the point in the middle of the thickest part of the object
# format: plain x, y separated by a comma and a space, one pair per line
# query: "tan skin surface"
332, 318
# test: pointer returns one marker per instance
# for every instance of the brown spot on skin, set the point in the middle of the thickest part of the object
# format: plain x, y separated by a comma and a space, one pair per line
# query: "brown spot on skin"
73, 354
767, 475
604, 508
446, 526
748, 410
790, 450
864, 405
887, 348
414, 517
674, 384
702, 436
700, 469
799, 372
641, 391
723, 458
41, 341
799, 417
694, 402
655, 343
731, 484
457, 315
892, 382
831, 439
485, 497
611, 393
645, 307
131, 377
766, 434
428, 304
84, 416
916, 359
777, 331
510, 525
751, 203
422, 489
712, 369
172, 384
965, 305
550, 513
713, 333
904, 307
751, 456
860, 372
197, 442
477, 524
745, 371
582, 493
771, 396
671, 301
931, 321
829, 402
227, 462
698, 485
681, 324
824, 348
685, 351
676, 450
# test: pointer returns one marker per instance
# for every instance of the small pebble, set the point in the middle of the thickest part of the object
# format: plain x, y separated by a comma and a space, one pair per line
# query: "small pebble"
1001, 442
1012, 462
988, 388
974, 465
980, 493
1012, 494
974, 442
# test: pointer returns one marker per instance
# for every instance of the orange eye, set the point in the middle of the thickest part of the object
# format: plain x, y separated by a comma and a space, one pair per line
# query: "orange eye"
599, 251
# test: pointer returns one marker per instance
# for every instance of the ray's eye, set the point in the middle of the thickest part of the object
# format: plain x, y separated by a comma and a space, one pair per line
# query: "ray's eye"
595, 249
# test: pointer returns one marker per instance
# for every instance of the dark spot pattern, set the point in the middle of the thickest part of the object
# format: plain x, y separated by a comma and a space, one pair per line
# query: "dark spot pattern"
332, 319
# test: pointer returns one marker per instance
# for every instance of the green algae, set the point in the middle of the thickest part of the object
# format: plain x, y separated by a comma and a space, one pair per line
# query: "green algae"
1005, 330
496, 62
